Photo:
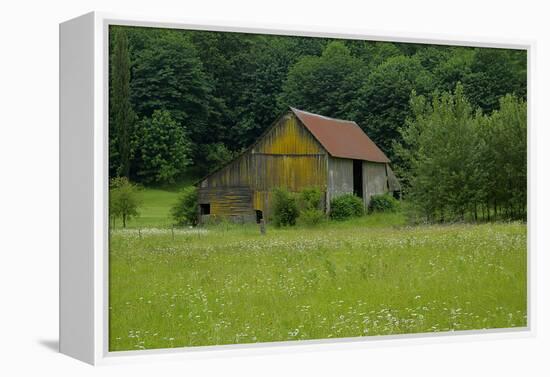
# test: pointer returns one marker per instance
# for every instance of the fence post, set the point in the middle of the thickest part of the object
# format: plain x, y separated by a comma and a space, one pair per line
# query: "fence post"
172, 232
262, 227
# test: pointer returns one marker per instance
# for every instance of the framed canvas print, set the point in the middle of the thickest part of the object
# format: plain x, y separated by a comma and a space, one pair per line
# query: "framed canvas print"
225, 187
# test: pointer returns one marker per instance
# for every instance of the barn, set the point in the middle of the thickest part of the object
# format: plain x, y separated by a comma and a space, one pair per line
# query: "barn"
300, 150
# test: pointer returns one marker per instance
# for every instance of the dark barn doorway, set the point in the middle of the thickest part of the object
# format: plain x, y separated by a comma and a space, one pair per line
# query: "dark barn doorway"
259, 216
358, 178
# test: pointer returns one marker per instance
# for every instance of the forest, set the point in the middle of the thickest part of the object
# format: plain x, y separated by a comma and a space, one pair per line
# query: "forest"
453, 120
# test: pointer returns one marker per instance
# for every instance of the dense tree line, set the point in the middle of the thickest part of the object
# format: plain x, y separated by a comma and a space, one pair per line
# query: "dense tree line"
186, 102
464, 163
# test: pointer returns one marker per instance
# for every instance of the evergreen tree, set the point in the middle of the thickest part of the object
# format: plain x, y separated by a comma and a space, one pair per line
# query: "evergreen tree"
122, 117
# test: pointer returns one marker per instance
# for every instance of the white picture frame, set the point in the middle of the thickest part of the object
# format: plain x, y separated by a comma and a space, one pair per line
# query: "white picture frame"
84, 188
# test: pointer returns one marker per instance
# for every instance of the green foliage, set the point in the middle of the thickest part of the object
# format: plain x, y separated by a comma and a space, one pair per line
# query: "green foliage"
383, 203
311, 217
124, 200
216, 156
225, 89
441, 142
324, 84
164, 149
310, 198
257, 104
309, 203
464, 163
454, 69
373, 53
493, 75
503, 146
382, 104
186, 209
121, 114
345, 206
168, 75
284, 207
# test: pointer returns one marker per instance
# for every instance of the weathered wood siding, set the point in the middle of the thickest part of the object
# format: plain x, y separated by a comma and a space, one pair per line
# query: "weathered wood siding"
286, 156
264, 172
340, 178
288, 137
230, 201
375, 180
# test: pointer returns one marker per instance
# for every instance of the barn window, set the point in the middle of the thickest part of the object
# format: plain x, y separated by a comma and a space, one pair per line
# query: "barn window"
259, 216
205, 209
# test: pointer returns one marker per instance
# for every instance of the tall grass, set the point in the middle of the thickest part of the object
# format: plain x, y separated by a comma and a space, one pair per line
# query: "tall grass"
367, 276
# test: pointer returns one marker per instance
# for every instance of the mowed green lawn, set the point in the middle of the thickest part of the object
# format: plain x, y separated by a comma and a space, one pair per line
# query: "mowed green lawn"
370, 276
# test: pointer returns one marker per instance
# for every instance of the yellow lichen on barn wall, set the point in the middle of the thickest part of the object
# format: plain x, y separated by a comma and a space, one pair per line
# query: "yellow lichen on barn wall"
287, 156
260, 200
288, 137
293, 172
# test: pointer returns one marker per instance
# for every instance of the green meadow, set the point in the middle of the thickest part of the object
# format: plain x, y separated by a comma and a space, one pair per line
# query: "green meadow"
375, 275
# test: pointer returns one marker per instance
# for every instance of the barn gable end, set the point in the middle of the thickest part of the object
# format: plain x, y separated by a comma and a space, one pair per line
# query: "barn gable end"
288, 137
286, 155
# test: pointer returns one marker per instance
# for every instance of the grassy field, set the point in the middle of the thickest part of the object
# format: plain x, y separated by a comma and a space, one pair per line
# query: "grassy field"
369, 276
155, 211
156, 204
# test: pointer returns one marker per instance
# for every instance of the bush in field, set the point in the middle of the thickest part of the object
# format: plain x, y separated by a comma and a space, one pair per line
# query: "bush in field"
311, 216
186, 209
346, 206
124, 199
310, 203
310, 198
285, 207
383, 203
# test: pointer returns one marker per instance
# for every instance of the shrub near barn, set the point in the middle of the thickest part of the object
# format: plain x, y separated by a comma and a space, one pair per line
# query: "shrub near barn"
310, 207
383, 203
186, 209
285, 207
346, 206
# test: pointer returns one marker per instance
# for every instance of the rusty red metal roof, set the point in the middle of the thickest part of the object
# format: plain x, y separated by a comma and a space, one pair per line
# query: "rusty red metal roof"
341, 138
